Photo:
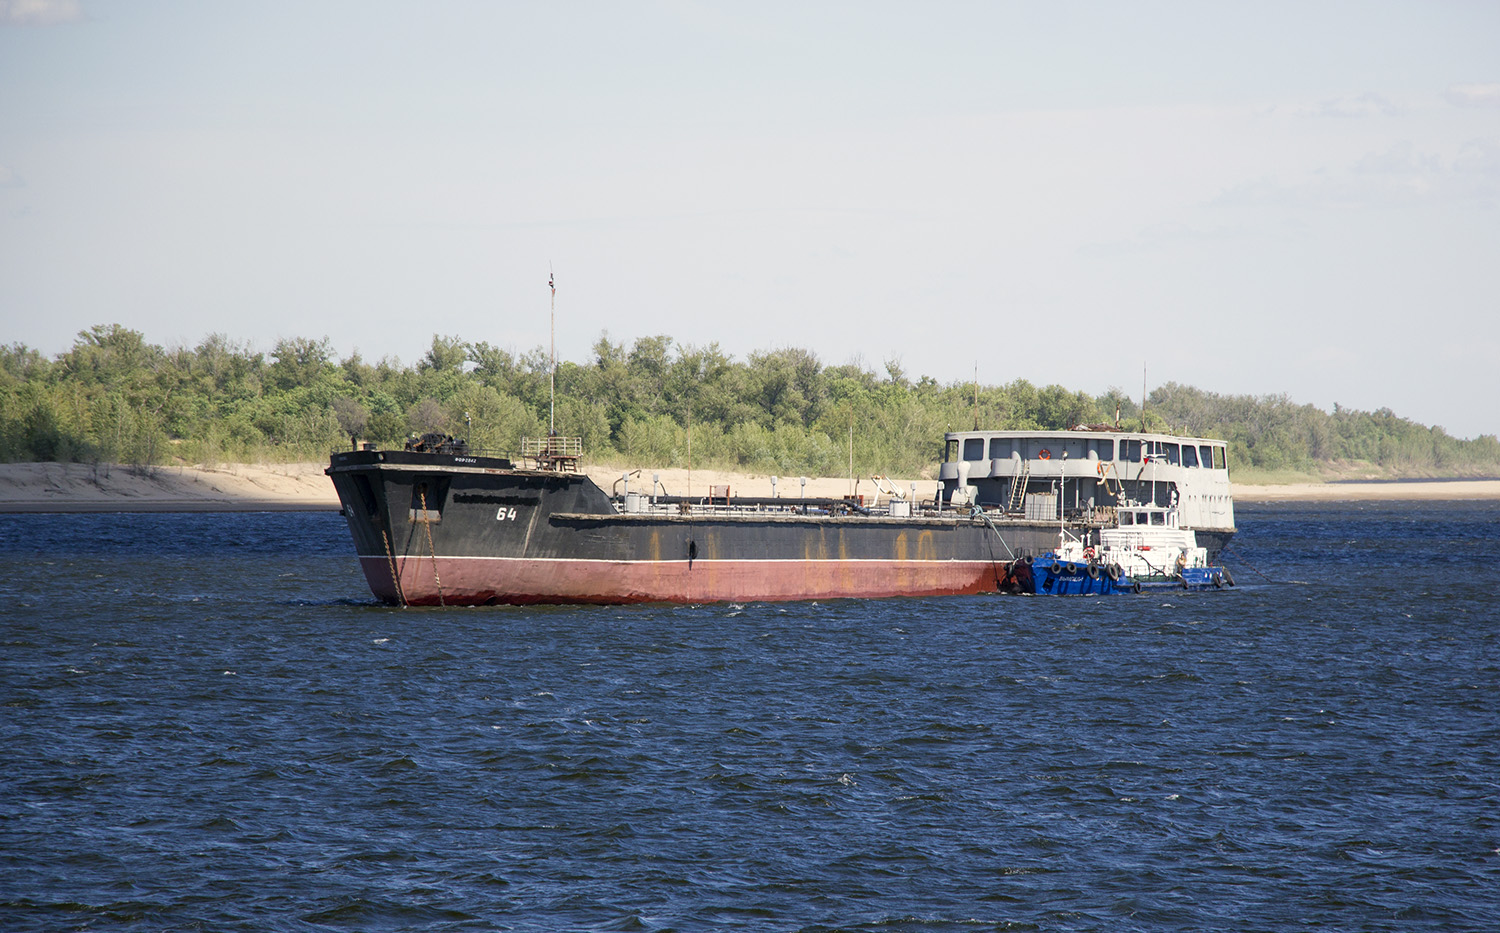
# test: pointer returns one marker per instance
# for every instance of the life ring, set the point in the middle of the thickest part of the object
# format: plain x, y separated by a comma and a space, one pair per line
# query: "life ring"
1088, 553
1044, 454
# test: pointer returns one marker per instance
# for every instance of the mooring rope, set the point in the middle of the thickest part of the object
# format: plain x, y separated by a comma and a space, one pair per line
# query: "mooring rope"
995, 564
1241, 558
980, 513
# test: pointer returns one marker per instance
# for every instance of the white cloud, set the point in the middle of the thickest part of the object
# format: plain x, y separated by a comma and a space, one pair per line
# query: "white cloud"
1480, 157
1400, 159
9, 179
1473, 95
1368, 104
39, 12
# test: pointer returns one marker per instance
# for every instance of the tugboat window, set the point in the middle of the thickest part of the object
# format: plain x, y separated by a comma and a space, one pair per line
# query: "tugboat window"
1158, 518
1000, 448
1189, 455
974, 448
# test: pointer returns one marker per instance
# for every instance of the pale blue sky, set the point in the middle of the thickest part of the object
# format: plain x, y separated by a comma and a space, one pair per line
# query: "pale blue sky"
1298, 198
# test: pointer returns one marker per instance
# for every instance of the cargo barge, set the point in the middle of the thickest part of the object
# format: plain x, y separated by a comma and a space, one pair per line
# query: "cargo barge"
437, 524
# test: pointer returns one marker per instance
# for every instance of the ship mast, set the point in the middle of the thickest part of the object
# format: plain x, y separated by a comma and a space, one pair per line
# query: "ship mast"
552, 367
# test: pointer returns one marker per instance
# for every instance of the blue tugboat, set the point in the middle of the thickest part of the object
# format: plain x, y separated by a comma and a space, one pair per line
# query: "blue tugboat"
1069, 571
1147, 549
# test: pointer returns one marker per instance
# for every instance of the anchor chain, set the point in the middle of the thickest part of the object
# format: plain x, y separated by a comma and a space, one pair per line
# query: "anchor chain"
390, 555
427, 521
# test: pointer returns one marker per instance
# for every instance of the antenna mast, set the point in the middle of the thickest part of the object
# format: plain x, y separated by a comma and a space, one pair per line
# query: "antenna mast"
552, 369
1143, 395
976, 395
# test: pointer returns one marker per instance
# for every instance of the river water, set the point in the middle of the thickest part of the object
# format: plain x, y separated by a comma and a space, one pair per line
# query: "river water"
207, 724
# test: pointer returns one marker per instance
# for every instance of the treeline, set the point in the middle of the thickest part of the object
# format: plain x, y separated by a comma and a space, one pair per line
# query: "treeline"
114, 397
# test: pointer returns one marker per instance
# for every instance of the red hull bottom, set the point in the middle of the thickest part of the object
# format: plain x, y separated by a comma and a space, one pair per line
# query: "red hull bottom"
468, 581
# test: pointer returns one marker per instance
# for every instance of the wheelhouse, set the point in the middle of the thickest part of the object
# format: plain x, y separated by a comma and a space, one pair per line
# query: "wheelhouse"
1090, 474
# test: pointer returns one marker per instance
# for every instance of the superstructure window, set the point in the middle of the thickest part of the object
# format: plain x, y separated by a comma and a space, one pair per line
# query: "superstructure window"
1000, 448
1189, 455
1207, 453
1221, 458
1130, 450
974, 448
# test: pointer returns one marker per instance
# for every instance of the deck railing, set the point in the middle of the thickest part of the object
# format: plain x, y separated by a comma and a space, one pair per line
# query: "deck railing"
553, 452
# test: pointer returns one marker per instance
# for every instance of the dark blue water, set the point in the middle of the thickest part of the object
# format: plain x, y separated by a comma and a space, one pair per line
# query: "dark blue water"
206, 724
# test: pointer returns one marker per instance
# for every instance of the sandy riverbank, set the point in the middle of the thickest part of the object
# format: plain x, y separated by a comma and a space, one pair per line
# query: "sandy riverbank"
249, 487
1362, 492
76, 487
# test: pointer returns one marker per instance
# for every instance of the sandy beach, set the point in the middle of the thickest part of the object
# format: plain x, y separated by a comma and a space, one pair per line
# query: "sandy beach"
77, 487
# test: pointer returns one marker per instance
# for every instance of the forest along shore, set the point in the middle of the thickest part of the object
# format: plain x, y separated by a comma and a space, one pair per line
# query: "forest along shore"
81, 487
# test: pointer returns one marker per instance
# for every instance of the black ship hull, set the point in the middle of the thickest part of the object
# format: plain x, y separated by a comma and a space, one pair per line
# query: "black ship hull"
441, 529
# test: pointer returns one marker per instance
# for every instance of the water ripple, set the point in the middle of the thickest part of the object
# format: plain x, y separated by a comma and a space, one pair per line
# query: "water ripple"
207, 723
